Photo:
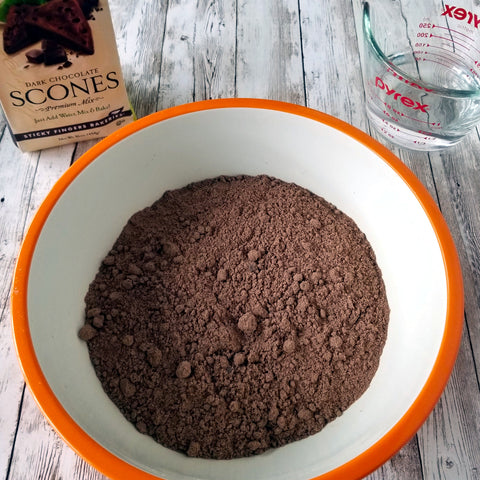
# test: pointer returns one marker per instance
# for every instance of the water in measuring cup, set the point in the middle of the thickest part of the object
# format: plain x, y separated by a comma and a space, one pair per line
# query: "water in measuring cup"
413, 117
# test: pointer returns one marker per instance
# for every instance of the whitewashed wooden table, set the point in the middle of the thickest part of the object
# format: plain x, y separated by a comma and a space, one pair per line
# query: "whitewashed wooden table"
300, 51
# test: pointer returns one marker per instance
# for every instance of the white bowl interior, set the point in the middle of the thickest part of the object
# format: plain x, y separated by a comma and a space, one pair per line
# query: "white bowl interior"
132, 174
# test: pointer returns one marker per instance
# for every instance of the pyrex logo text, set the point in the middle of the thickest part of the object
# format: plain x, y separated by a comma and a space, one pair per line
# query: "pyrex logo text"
407, 101
462, 14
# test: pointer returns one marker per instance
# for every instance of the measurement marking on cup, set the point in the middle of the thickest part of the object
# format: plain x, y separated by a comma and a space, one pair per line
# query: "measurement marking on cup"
455, 42
451, 30
452, 63
388, 127
443, 52
460, 44
430, 124
443, 56
423, 59
449, 51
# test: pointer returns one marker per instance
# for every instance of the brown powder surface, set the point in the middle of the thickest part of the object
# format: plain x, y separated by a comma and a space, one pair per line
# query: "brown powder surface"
235, 315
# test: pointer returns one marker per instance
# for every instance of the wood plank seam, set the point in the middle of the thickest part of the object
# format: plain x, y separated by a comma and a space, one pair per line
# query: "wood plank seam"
470, 343
235, 62
19, 413
420, 459
194, 82
159, 84
304, 75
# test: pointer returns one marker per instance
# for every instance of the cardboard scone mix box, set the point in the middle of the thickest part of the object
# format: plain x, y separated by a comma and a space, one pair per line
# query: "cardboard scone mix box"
61, 80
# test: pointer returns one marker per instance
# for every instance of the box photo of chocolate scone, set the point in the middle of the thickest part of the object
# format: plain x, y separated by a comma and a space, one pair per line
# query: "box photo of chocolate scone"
58, 24
61, 74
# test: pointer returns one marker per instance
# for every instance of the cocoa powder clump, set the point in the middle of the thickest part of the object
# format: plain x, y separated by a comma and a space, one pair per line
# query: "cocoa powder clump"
235, 315
247, 323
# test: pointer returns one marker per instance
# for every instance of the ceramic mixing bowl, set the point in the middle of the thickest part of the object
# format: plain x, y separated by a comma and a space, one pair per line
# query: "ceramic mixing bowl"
85, 211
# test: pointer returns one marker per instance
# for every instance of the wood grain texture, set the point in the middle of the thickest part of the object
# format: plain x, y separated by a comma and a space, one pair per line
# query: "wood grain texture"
198, 59
15, 184
44, 455
331, 60
177, 83
214, 49
445, 438
139, 30
269, 55
302, 51
24, 182
457, 177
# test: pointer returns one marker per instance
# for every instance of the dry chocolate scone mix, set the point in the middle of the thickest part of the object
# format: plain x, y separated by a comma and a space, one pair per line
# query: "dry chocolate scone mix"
235, 315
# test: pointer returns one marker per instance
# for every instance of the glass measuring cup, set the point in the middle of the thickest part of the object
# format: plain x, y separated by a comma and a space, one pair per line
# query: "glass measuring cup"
422, 70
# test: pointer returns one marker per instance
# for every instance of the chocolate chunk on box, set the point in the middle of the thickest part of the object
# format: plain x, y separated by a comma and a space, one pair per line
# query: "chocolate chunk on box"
61, 74
53, 53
